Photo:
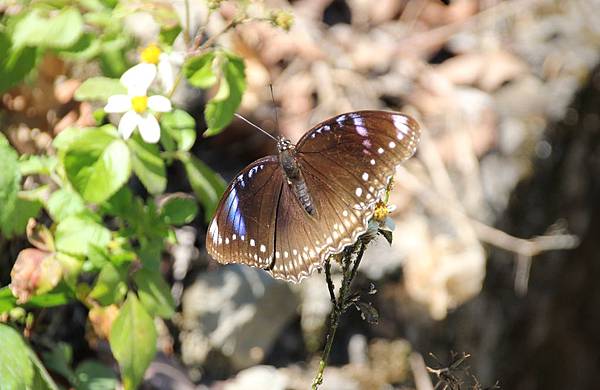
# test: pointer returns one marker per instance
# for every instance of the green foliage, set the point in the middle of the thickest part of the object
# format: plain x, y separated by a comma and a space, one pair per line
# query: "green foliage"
207, 185
110, 286
55, 29
15, 63
133, 341
228, 70
179, 130
16, 369
101, 230
99, 88
154, 293
199, 70
148, 165
232, 84
178, 209
76, 233
97, 163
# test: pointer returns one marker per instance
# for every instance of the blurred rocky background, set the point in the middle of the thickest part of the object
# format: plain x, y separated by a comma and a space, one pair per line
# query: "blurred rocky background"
495, 250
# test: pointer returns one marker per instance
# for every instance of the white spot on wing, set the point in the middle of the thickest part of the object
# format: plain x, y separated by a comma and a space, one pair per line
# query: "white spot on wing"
392, 144
358, 191
263, 248
365, 176
380, 150
252, 242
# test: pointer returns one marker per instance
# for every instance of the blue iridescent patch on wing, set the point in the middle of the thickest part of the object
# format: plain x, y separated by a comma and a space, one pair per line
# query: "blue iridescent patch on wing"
235, 214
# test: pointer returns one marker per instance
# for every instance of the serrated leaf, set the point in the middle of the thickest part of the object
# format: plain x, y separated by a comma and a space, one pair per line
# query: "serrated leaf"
63, 203
178, 209
48, 29
199, 70
148, 165
220, 109
154, 293
208, 186
76, 233
16, 369
178, 127
99, 88
16, 218
97, 164
133, 341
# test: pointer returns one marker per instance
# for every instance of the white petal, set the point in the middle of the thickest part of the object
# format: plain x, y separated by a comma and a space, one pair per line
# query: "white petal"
159, 103
138, 78
177, 57
128, 123
165, 74
149, 129
118, 104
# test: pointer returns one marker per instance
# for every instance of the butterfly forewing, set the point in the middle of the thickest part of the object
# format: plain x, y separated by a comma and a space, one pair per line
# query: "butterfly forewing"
242, 230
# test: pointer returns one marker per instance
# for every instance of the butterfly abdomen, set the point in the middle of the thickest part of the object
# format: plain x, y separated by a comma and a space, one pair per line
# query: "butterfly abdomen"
294, 178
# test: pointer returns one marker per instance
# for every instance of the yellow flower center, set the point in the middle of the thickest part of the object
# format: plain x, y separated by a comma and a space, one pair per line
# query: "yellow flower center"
139, 103
150, 54
381, 211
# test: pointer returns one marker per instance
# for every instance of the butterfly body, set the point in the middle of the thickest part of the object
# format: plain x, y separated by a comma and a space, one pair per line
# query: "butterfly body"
288, 212
293, 174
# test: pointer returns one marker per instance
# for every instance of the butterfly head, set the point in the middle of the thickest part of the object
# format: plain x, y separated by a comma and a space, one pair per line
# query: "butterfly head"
284, 144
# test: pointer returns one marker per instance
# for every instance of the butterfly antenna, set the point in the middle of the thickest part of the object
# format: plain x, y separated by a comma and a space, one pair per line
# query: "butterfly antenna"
255, 126
274, 106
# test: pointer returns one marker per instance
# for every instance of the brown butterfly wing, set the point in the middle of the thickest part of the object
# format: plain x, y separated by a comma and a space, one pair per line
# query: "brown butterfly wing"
243, 229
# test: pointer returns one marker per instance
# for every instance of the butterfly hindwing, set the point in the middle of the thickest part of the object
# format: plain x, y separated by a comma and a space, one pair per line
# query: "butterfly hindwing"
243, 228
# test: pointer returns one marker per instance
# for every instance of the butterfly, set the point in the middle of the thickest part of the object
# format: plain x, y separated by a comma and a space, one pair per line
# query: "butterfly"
287, 213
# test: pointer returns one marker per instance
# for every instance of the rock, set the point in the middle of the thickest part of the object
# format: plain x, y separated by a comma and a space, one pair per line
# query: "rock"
236, 310
258, 377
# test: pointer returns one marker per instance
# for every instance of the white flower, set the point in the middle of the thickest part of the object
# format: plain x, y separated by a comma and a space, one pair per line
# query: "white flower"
136, 104
167, 63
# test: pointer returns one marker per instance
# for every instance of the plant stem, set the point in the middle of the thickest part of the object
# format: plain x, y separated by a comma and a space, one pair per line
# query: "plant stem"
350, 260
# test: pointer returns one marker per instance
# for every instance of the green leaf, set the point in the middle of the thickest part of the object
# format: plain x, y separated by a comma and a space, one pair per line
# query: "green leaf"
97, 163
178, 209
208, 186
85, 49
47, 29
148, 165
110, 286
168, 34
37, 165
7, 300
16, 218
154, 293
41, 379
92, 375
133, 341
15, 63
113, 56
10, 179
199, 70
99, 88
180, 127
220, 109
59, 296
75, 234
64, 203
16, 369
59, 360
